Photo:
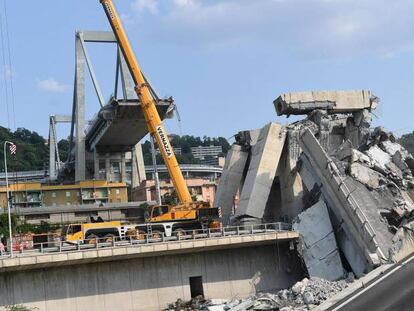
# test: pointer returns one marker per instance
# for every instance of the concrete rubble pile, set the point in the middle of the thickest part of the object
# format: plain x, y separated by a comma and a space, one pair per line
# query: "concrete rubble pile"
303, 295
347, 188
197, 303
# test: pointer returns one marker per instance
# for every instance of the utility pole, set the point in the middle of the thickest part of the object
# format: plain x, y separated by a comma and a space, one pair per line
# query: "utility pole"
156, 178
12, 151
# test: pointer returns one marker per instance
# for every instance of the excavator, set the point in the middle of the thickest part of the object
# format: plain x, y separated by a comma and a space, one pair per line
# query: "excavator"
163, 219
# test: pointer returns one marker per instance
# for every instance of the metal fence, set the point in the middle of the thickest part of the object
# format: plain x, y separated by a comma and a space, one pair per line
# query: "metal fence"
154, 237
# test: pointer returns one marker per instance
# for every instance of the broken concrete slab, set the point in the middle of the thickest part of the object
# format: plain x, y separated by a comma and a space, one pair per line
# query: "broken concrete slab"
359, 172
247, 138
345, 239
394, 170
342, 202
344, 151
390, 147
274, 203
379, 156
401, 210
353, 132
403, 206
231, 180
265, 156
365, 175
358, 156
363, 118
403, 243
291, 189
347, 244
409, 160
318, 243
333, 101
408, 199
368, 203
399, 160
244, 305
380, 134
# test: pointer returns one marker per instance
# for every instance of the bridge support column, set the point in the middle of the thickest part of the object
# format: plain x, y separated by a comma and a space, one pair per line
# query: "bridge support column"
52, 151
107, 167
96, 164
80, 112
138, 168
123, 167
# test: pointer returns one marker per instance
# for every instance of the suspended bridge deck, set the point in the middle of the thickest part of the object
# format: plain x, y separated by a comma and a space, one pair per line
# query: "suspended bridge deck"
119, 125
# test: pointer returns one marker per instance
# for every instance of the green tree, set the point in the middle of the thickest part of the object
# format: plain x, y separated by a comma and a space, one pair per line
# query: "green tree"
170, 199
185, 142
63, 146
407, 141
32, 151
4, 225
43, 227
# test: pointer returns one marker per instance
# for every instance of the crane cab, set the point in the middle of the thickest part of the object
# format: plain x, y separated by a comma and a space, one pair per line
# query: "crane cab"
162, 213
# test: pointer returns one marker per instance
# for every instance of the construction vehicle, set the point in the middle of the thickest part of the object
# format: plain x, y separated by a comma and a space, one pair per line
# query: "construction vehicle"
163, 219
93, 231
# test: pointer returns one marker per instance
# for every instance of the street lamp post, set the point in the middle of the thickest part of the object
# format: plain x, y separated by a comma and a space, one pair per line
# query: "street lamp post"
8, 196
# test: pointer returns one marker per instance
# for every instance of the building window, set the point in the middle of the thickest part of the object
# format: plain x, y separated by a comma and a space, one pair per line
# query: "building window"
117, 191
102, 167
67, 194
53, 194
196, 190
116, 167
128, 167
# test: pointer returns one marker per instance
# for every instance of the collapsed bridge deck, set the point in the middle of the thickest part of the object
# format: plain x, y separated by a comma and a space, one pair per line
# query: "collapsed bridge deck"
119, 125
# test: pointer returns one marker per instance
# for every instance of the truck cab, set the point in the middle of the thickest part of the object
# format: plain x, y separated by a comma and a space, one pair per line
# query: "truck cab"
72, 232
90, 232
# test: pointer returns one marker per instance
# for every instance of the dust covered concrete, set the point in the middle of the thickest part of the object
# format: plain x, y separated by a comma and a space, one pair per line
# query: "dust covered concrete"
333, 155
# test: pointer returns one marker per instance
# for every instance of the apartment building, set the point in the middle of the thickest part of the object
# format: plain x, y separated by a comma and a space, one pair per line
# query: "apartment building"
35, 194
201, 152
201, 189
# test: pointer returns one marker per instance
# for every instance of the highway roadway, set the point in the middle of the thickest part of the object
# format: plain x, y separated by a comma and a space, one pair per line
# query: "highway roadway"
393, 291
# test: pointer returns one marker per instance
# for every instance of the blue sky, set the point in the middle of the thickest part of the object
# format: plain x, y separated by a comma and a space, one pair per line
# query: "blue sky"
224, 61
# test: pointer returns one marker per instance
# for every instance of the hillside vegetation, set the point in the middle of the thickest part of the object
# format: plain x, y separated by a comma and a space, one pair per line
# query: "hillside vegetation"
185, 142
33, 151
407, 141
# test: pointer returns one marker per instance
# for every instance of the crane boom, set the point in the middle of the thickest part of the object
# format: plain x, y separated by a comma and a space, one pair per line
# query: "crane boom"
152, 118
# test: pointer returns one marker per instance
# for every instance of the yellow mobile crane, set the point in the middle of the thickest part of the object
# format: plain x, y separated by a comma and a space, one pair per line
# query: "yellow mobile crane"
152, 118
172, 219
